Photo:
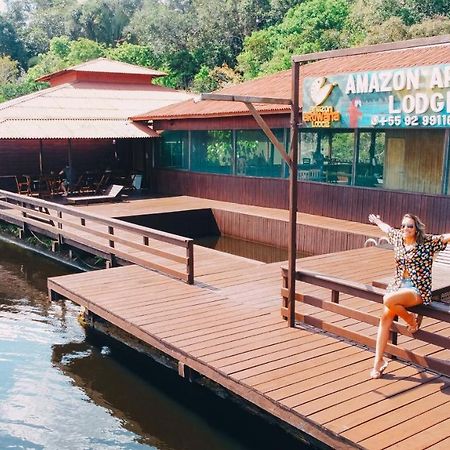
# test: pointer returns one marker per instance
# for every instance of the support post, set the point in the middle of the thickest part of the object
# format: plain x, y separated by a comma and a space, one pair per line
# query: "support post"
190, 262
111, 262
111, 232
335, 296
24, 232
41, 158
446, 165
292, 243
356, 147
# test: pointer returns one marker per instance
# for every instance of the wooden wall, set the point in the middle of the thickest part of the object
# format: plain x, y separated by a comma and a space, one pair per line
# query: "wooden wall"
19, 157
342, 202
280, 120
313, 240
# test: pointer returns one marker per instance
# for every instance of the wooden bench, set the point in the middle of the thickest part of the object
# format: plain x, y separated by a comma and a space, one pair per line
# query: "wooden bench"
437, 310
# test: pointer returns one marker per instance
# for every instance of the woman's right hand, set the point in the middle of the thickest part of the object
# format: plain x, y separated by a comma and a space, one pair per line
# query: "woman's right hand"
374, 218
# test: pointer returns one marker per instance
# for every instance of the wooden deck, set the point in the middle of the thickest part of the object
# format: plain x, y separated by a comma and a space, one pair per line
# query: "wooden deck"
227, 327
182, 203
316, 234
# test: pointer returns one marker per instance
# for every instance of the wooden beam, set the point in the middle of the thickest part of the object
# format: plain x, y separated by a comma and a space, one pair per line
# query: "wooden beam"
293, 187
399, 45
268, 132
243, 98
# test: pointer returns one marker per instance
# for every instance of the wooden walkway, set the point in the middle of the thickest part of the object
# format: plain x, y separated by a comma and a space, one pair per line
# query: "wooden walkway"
227, 327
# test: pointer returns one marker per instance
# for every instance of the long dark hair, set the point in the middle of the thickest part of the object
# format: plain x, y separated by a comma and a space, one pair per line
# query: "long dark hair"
420, 227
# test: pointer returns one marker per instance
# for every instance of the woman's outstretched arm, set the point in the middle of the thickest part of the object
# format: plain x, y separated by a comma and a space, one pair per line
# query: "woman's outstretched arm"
446, 238
375, 219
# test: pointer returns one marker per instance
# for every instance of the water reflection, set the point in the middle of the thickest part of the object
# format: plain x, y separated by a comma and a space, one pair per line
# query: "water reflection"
63, 387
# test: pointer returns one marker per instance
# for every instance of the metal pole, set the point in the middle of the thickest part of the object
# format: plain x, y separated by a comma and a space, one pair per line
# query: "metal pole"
446, 165
69, 153
292, 243
356, 147
41, 158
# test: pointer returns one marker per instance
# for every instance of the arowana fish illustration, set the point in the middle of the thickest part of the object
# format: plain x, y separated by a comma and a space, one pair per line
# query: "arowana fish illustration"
320, 90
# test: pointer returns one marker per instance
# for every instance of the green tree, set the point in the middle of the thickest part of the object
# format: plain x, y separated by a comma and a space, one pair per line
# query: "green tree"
380, 21
103, 20
37, 21
430, 27
208, 80
9, 91
164, 27
10, 43
314, 25
140, 55
65, 53
187, 35
9, 70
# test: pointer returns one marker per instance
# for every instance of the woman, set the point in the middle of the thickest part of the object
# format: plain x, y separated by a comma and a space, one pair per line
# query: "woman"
414, 251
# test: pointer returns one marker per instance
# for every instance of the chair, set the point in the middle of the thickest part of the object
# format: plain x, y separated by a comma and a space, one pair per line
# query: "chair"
137, 182
316, 174
23, 183
303, 174
311, 174
111, 194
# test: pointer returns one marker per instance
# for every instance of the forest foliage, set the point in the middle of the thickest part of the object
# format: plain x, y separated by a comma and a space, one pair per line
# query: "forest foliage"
202, 45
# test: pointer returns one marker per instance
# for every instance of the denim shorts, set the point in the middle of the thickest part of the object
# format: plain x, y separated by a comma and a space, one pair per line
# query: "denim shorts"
407, 284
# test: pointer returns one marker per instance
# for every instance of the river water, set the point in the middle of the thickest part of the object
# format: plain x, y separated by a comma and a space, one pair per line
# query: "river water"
62, 387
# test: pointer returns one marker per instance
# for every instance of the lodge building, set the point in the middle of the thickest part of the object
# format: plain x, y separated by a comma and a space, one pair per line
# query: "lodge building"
374, 137
374, 134
82, 120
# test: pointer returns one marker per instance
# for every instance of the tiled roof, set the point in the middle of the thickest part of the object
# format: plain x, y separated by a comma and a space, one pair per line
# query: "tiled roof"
81, 110
103, 65
279, 84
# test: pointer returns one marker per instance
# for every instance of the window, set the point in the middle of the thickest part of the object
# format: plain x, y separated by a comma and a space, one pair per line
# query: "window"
370, 164
174, 150
414, 160
256, 155
326, 156
212, 151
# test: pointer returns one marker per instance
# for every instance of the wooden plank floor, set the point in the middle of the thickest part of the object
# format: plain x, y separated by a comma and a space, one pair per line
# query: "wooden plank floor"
228, 327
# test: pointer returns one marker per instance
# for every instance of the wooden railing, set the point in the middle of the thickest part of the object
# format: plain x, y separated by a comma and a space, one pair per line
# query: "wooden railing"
437, 310
167, 253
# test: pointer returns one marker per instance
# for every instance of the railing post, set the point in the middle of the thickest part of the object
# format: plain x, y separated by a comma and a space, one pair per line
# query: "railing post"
190, 262
285, 285
111, 262
111, 232
24, 205
60, 236
394, 337
335, 296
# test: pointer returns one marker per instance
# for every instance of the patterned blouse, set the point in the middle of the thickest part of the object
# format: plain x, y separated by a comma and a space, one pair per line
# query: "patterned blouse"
416, 260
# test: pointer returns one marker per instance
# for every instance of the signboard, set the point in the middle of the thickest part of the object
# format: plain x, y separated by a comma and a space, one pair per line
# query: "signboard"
413, 97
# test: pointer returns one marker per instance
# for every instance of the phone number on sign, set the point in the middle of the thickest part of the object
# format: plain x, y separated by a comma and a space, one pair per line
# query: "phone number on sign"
411, 121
